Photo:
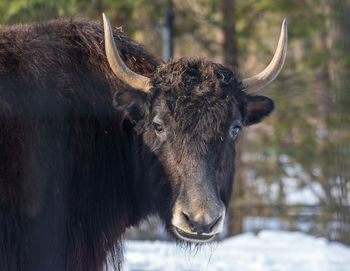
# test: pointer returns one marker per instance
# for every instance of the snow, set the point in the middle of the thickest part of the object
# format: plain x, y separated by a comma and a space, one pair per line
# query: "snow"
268, 251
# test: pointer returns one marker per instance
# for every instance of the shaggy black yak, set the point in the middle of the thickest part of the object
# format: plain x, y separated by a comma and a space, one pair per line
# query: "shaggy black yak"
96, 134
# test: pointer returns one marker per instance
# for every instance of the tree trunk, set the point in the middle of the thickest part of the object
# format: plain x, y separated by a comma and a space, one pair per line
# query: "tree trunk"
230, 55
168, 31
340, 74
98, 6
230, 49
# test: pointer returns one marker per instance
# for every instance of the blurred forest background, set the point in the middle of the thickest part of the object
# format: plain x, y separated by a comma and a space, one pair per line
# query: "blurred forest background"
294, 168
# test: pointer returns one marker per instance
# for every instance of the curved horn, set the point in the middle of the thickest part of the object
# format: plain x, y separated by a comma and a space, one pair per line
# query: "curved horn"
265, 77
116, 63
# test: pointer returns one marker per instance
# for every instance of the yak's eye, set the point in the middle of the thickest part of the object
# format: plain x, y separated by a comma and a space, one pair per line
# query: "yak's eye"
234, 131
158, 127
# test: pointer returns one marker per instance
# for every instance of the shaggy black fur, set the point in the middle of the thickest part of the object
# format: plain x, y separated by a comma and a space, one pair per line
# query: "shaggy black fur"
64, 196
75, 170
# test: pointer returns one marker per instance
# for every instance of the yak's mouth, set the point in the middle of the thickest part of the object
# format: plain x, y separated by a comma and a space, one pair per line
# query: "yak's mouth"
193, 237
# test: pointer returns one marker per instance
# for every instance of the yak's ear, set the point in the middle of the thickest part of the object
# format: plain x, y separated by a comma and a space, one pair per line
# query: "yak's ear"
131, 102
257, 108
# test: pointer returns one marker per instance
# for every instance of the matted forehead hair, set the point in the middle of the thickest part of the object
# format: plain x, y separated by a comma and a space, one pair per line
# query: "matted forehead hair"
196, 77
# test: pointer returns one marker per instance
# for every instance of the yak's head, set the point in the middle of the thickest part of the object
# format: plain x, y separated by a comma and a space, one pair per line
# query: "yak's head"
189, 114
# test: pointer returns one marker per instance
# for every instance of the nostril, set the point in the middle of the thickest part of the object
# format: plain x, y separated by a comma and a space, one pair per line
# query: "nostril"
189, 221
211, 227
186, 217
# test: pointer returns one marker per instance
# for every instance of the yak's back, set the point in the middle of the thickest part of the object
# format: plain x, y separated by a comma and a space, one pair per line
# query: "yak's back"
60, 54
62, 42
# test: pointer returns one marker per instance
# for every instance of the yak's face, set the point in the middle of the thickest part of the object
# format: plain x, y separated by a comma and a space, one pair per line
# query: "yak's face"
191, 120
189, 115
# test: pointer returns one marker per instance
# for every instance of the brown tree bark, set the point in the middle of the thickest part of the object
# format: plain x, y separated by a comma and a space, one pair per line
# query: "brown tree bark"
98, 6
230, 49
230, 56
340, 74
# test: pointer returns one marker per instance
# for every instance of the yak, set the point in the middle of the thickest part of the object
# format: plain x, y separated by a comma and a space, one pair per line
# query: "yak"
96, 134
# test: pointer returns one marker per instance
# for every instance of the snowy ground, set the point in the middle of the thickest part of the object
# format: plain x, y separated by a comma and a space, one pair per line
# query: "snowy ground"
267, 251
